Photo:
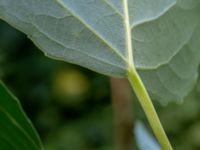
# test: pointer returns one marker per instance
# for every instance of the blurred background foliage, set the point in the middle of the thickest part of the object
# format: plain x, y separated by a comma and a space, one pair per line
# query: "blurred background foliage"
70, 106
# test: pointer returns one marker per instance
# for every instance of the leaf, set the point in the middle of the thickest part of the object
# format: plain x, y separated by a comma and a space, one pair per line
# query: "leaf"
100, 34
144, 139
16, 130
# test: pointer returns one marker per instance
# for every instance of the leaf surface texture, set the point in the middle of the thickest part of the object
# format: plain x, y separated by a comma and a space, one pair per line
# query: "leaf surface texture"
164, 35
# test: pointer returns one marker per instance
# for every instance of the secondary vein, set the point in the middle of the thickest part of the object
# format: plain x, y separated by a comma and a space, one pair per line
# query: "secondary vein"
90, 28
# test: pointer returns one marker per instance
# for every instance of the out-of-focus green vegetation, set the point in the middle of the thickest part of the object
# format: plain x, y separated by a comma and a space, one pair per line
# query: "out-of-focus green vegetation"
70, 106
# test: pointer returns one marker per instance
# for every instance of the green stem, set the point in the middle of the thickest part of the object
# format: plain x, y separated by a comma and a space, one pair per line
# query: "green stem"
149, 109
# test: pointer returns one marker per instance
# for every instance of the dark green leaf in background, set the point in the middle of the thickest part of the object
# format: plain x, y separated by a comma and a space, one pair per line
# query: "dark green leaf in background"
16, 130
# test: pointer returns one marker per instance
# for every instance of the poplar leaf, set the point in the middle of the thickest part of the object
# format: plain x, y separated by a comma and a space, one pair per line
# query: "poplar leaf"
161, 37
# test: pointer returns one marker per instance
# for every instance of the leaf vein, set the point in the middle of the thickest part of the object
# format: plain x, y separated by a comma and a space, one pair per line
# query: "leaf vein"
92, 30
65, 47
155, 17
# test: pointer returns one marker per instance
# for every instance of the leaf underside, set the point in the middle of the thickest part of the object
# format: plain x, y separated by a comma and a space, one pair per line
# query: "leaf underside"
165, 35
16, 131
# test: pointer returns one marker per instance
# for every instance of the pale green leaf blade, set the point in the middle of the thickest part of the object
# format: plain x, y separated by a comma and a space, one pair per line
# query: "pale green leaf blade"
142, 11
16, 130
63, 34
173, 80
93, 34
169, 52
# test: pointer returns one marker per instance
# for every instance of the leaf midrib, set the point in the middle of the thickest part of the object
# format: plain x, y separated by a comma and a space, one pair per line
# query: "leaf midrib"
128, 32
128, 35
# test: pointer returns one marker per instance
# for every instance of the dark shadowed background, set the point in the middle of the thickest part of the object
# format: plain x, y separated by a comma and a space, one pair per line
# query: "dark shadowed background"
71, 106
